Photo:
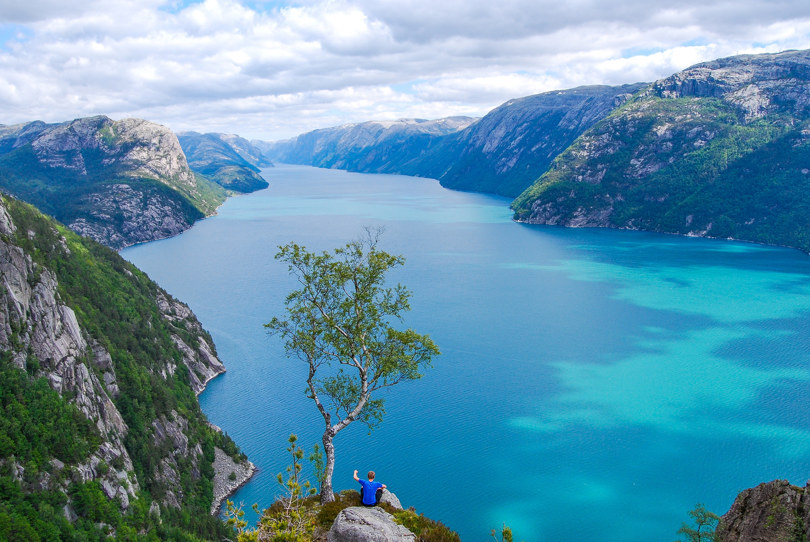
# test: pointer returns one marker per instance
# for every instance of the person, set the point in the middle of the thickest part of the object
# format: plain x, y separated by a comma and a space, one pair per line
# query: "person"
370, 491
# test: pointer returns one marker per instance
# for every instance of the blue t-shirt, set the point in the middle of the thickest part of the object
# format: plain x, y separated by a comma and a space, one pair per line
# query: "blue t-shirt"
369, 491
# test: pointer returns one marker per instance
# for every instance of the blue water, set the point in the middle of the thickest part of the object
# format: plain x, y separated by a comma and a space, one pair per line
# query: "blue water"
593, 384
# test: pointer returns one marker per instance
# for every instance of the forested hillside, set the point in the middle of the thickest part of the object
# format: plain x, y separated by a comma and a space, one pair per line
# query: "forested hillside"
100, 429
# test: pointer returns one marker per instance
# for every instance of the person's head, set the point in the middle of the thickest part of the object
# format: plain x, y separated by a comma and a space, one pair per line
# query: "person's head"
370, 475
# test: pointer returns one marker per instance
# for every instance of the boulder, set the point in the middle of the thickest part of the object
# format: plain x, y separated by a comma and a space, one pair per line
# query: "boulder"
391, 500
360, 524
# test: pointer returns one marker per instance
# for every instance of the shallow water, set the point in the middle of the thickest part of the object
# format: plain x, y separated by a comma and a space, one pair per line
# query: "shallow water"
593, 384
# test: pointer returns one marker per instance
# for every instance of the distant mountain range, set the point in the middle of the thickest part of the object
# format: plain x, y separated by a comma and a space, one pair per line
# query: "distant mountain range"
502, 153
721, 149
371, 147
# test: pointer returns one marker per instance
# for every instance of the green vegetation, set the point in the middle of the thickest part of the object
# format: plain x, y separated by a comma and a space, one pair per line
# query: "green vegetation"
506, 534
426, 529
682, 165
115, 305
705, 526
340, 326
37, 425
216, 159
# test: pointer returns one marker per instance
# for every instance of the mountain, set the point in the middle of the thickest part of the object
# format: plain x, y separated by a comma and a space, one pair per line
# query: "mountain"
502, 153
370, 147
100, 428
721, 149
118, 182
505, 151
229, 160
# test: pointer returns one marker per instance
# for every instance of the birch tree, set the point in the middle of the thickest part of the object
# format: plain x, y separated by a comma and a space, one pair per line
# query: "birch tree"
340, 323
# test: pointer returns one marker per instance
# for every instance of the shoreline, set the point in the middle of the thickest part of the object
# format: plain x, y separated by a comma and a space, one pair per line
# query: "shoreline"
224, 487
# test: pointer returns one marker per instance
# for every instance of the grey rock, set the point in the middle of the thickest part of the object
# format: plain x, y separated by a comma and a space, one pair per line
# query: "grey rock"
640, 167
224, 465
390, 499
360, 524
770, 512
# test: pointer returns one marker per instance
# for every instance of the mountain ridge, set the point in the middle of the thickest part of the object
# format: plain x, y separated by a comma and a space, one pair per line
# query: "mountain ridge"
720, 149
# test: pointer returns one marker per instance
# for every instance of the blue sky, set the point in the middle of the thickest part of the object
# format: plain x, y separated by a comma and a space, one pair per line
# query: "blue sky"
274, 69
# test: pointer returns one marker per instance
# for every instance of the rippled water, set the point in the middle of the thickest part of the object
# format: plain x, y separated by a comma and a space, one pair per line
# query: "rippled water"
593, 384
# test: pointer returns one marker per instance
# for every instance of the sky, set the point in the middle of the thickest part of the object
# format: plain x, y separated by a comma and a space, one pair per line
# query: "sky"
274, 69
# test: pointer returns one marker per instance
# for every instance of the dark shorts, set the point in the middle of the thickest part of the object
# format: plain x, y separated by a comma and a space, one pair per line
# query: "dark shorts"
377, 495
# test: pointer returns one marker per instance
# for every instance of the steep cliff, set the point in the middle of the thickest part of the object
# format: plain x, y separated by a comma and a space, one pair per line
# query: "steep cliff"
229, 160
118, 182
87, 338
721, 149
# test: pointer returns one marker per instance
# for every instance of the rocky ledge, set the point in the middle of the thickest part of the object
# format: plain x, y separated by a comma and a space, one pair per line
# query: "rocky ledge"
228, 477
360, 524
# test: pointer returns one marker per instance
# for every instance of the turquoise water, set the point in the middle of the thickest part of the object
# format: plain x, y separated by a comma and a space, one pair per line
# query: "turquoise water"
593, 384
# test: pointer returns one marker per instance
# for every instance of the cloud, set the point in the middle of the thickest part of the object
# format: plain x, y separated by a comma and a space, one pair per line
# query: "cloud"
276, 69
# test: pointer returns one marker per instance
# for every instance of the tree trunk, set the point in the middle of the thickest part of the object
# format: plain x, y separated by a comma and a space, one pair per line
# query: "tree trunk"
327, 495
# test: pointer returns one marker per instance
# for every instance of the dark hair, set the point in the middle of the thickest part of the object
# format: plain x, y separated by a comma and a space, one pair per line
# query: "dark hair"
370, 475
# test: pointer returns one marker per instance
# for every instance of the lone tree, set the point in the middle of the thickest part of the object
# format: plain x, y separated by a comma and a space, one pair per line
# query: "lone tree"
340, 323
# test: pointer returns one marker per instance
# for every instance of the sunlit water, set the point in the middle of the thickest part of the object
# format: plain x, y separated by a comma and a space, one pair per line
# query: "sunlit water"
593, 384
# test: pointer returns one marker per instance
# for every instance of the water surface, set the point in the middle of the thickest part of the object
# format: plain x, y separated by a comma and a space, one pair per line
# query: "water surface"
593, 384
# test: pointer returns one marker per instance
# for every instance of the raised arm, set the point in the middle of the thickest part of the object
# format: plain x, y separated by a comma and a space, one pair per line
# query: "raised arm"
355, 476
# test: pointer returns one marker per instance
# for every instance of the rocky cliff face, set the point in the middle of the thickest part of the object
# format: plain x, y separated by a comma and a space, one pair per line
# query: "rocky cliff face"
125, 353
228, 160
34, 322
772, 512
720, 150
508, 149
118, 182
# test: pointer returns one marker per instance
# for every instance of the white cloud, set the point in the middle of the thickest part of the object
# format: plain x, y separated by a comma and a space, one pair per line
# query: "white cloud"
273, 72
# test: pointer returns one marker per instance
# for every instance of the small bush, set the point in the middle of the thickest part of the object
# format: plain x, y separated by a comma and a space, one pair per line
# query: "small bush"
329, 511
426, 529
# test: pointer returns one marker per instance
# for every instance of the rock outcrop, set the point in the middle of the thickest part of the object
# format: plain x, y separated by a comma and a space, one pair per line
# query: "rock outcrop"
228, 477
391, 500
360, 524
771, 512
118, 182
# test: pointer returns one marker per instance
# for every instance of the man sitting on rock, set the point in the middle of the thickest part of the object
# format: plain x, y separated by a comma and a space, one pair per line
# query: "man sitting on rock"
370, 491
